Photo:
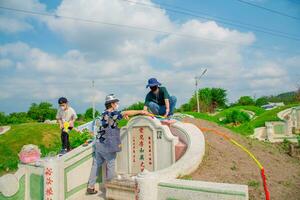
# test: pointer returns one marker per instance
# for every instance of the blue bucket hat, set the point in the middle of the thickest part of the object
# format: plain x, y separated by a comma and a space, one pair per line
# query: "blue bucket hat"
153, 82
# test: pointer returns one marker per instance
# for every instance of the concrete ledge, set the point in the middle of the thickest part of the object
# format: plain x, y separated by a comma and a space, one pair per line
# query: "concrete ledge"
186, 189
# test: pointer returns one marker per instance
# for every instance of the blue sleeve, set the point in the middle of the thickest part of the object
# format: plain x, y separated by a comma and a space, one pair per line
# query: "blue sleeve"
120, 116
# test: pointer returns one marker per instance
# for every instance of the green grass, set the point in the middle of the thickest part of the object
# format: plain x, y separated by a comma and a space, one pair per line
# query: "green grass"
253, 183
255, 109
45, 136
247, 128
204, 116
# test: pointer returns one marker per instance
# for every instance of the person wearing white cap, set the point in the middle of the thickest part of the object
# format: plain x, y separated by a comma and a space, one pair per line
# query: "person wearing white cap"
108, 140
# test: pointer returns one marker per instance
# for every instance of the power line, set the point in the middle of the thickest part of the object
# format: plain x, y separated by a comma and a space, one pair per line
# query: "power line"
131, 27
269, 10
222, 20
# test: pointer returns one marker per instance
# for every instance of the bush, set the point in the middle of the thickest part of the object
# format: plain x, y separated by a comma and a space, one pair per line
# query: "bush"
236, 117
77, 139
17, 118
14, 118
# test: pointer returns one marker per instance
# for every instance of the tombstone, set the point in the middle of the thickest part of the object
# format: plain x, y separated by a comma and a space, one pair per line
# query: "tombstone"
298, 119
146, 144
269, 131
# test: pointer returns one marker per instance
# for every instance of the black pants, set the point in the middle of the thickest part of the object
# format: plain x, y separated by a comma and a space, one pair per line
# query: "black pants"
65, 139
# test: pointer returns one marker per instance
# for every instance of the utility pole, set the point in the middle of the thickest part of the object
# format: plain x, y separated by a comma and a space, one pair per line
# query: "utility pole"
197, 78
93, 91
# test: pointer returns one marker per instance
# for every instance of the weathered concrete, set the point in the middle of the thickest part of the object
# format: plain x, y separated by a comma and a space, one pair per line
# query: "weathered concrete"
277, 131
195, 190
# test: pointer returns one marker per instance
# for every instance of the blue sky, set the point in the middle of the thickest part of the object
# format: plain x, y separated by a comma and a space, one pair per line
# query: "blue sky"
43, 58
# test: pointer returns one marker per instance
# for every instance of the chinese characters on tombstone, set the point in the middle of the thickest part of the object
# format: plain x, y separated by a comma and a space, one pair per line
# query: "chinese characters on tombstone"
142, 149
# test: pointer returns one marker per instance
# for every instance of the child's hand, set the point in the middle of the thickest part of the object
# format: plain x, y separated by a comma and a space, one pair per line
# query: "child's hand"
61, 126
126, 117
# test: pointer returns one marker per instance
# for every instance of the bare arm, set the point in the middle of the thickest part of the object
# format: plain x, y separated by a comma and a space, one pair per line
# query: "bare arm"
167, 102
145, 108
134, 112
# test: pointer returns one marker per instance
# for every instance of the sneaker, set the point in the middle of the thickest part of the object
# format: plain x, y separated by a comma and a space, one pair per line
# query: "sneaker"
62, 152
91, 191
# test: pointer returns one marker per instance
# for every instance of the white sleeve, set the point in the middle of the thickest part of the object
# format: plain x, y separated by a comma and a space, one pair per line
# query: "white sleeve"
74, 114
58, 114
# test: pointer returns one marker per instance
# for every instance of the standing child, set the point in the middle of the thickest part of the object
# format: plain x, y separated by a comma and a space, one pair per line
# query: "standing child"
66, 117
108, 140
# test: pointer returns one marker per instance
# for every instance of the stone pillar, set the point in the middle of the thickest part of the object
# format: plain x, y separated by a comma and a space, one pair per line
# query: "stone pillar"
51, 179
146, 186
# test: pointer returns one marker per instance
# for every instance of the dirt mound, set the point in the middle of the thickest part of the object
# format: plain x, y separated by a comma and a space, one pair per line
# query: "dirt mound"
224, 162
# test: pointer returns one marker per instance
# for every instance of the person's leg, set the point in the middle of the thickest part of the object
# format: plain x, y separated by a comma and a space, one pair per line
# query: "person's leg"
154, 108
110, 170
68, 142
173, 101
97, 162
162, 110
64, 139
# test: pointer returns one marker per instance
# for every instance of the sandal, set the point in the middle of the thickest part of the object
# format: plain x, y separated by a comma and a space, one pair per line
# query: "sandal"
91, 191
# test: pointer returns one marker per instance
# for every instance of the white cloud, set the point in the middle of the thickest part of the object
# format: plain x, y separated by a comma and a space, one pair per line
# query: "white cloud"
17, 22
120, 60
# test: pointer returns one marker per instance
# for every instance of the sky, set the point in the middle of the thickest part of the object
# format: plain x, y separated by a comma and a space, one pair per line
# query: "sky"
120, 44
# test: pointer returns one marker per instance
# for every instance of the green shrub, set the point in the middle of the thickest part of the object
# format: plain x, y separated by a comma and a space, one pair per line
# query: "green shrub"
236, 117
77, 139
17, 118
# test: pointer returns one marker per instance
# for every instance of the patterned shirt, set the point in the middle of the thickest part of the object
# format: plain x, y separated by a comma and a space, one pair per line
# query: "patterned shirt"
107, 131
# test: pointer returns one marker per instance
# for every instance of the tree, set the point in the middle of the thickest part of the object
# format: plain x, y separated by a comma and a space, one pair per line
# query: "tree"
209, 100
298, 94
261, 101
218, 98
88, 115
246, 100
136, 106
42, 111
3, 119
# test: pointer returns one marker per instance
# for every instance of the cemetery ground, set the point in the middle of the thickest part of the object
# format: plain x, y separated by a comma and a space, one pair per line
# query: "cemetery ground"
224, 162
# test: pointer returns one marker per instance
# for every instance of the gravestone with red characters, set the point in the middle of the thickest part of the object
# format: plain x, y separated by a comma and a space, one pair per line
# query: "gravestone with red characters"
146, 144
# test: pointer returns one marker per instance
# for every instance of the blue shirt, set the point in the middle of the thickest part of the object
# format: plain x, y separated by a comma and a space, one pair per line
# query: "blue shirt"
108, 134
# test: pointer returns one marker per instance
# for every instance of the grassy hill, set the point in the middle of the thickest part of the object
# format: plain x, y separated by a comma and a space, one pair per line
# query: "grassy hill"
247, 128
46, 136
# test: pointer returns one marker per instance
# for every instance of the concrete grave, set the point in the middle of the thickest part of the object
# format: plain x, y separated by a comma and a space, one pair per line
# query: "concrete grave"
277, 131
146, 144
